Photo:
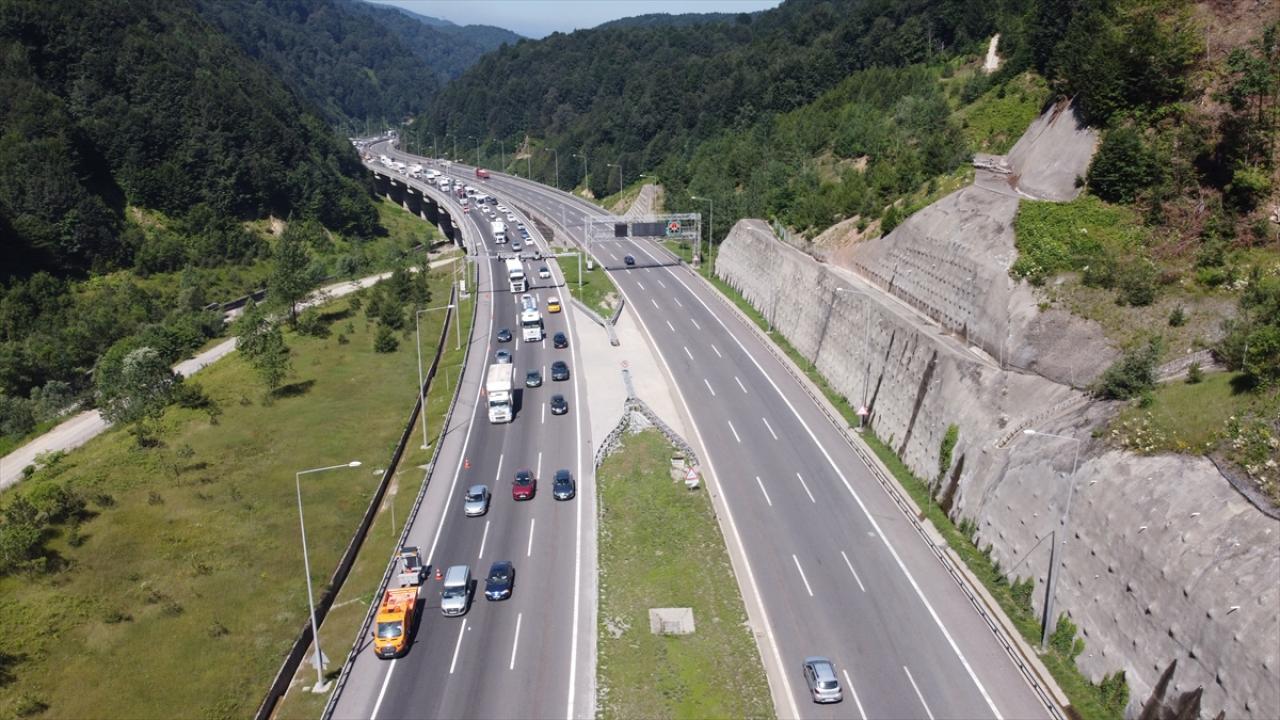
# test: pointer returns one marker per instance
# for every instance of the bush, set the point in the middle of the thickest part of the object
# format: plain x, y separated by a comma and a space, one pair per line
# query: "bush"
1178, 317
386, 341
16, 416
948, 447
1138, 282
1249, 185
55, 502
1123, 167
311, 323
1194, 374
1131, 375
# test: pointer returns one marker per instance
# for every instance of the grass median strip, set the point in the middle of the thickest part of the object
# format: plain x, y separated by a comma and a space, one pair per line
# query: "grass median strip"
660, 546
597, 291
180, 585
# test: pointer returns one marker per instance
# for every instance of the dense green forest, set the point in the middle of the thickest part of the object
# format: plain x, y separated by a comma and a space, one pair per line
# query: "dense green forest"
353, 60
137, 142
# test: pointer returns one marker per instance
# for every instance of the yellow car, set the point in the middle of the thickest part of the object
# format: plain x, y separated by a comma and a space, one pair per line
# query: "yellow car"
553, 305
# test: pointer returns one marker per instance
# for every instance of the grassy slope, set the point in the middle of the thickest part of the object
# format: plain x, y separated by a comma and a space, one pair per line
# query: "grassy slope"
597, 292
350, 607
658, 544
205, 561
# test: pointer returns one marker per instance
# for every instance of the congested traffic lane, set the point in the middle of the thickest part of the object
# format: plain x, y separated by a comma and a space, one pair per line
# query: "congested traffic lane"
528, 654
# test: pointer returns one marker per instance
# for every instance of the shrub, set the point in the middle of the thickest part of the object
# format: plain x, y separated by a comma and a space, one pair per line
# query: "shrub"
1178, 317
386, 341
1122, 167
16, 416
1194, 374
1137, 282
948, 447
1132, 374
311, 323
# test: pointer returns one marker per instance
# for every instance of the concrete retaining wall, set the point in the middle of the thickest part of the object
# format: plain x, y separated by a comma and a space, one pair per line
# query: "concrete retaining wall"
1163, 559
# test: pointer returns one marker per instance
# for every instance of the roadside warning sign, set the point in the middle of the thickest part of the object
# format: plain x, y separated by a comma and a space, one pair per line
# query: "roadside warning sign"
673, 227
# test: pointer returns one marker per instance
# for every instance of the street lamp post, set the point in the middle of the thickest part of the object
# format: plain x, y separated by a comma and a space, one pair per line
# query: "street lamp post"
584, 168
318, 658
1052, 582
557, 156
619, 166
711, 226
422, 396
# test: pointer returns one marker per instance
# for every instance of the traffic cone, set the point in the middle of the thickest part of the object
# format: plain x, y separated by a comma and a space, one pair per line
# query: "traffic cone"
466, 463
439, 575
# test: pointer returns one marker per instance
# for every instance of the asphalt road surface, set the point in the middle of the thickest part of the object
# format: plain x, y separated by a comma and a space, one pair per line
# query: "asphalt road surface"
531, 655
832, 566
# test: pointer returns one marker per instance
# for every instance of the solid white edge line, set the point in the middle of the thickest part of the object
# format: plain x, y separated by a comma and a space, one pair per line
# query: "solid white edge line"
920, 695
766, 494
770, 428
853, 691
855, 572
515, 645
461, 629
483, 539
861, 505
805, 485
466, 441
796, 560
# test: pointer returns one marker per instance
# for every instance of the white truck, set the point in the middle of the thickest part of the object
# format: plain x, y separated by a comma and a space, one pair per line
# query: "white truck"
497, 387
499, 231
531, 326
515, 275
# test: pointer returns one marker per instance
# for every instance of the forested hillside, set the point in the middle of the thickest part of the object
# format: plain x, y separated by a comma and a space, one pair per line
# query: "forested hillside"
137, 144
353, 60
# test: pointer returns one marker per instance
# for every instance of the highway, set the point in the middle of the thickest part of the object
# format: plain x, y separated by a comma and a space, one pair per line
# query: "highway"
827, 562
531, 655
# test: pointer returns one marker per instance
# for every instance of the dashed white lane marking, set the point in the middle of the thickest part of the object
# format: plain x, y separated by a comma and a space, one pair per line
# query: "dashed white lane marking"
927, 711
744, 387
770, 428
498, 477
462, 629
664, 285
673, 327
708, 382
766, 494
802, 577
695, 323
655, 303
640, 284
529, 552
686, 352
852, 690
805, 485
713, 347
516, 644
483, 539
855, 572
734, 430
678, 303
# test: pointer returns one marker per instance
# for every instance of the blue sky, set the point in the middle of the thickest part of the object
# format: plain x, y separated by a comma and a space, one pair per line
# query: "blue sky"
538, 18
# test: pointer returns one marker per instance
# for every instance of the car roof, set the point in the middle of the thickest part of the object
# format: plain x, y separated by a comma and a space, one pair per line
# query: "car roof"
499, 565
557, 396
563, 473
477, 489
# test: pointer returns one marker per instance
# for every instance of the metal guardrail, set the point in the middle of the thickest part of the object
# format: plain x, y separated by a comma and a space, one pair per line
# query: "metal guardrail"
294, 658
907, 506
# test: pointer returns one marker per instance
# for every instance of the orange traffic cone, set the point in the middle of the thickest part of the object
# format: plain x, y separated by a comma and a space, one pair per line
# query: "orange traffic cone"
439, 575
466, 463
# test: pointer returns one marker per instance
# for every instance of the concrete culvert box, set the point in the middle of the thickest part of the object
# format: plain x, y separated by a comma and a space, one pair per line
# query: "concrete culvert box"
671, 621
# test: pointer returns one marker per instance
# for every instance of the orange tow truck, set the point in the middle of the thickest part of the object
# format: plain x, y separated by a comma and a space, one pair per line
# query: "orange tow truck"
394, 620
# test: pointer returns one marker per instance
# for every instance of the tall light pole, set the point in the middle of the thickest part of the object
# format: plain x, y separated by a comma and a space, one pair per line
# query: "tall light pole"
619, 166
422, 396
711, 226
557, 156
584, 167
318, 658
1052, 582
528, 161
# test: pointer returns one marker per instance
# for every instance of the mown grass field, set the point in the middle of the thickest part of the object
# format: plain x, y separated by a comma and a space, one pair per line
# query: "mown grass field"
339, 629
181, 595
597, 292
658, 544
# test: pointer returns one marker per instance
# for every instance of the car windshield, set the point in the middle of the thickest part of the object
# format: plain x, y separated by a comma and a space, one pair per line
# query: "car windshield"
827, 684
455, 591
389, 630
475, 497
498, 576
522, 479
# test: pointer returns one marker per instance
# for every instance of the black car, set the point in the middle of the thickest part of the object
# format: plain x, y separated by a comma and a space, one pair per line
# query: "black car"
501, 579
533, 379
560, 340
559, 406
562, 488
559, 370
629, 260
504, 335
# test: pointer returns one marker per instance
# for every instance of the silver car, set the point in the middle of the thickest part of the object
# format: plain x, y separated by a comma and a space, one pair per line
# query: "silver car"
820, 676
476, 502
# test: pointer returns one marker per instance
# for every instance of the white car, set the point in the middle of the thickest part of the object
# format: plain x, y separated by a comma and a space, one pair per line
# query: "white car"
544, 272
502, 208
511, 217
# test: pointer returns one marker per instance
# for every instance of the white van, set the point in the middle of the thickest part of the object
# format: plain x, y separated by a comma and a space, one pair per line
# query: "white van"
455, 598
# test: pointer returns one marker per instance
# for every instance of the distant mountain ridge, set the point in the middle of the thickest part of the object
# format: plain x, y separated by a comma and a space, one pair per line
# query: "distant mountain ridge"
669, 20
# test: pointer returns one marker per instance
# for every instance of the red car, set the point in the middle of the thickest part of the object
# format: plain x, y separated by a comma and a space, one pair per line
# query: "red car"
524, 486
